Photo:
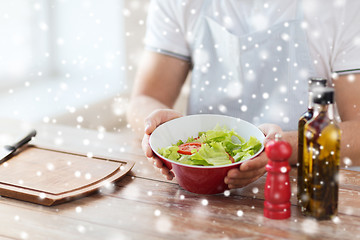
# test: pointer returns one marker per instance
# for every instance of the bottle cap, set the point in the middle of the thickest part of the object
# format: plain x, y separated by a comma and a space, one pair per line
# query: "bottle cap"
317, 81
323, 95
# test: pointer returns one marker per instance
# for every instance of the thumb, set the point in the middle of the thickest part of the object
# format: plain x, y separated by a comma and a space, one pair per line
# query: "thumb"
158, 117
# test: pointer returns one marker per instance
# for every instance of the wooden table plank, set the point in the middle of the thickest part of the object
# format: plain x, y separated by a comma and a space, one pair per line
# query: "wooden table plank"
5, 238
233, 202
144, 205
179, 213
18, 222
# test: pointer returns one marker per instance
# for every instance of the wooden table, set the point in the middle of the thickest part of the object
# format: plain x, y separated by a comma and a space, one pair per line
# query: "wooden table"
143, 205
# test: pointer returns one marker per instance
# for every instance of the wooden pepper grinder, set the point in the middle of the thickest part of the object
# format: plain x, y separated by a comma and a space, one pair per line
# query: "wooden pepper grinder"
277, 186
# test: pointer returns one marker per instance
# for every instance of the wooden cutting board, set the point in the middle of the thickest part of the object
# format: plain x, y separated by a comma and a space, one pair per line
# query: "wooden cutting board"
50, 177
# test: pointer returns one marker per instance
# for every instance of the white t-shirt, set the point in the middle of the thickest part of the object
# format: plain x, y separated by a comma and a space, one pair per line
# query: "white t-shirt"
332, 27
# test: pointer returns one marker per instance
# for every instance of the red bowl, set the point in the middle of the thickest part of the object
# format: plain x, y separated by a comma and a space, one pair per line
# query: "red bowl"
200, 179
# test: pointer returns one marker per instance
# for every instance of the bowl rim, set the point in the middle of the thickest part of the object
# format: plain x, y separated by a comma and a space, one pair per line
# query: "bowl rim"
205, 167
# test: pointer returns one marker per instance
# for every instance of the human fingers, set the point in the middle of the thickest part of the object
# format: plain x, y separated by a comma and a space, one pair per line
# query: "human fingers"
158, 117
243, 183
251, 170
157, 163
237, 179
146, 146
247, 172
257, 163
169, 175
269, 130
154, 160
151, 122
237, 174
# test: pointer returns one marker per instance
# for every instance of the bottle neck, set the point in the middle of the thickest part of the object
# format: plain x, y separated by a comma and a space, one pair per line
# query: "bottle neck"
310, 102
326, 109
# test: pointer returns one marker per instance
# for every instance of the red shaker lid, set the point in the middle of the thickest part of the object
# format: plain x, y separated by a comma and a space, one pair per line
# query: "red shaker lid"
278, 150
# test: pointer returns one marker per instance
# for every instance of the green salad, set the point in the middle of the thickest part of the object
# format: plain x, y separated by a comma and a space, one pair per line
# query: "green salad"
215, 147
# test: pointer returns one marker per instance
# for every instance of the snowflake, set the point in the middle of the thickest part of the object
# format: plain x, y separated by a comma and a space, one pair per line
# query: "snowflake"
126, 12
50, 166
286, 120
42, 195
60, 41
264, 54
78, 209
309, 226
24, 235
351, 78
87, 176
234, 89
357, 41
204, 202
310, 7
347, 161
285, 37
163, 224
77, 174
58, 141
240, 213
339, 3
304, 25
222, 108
81, 229
250, 75
260, 22
228, 23
46, 119
157, 212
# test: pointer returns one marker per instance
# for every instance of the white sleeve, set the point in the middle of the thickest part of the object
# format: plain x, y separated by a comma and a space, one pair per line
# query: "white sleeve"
165, 29
347, 48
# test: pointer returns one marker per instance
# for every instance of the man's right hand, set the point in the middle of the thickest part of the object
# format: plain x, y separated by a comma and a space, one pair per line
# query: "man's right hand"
155, 119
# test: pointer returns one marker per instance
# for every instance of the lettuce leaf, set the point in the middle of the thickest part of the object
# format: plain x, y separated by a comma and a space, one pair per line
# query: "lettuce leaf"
170, 152
214, 154
218, 144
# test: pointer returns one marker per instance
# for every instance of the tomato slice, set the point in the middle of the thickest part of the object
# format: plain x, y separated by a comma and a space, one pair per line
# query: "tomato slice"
231, 158
186, 148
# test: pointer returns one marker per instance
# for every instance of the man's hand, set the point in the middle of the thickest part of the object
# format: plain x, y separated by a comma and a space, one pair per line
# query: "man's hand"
151, 123
251, 170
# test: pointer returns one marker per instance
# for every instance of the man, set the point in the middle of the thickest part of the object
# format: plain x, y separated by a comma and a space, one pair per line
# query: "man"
249, 59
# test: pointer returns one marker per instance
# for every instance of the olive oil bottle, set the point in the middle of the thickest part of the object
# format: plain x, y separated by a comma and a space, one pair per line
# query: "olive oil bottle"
322, 155
302, 169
